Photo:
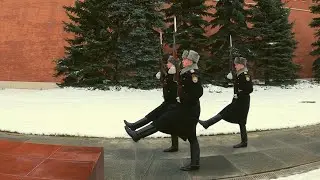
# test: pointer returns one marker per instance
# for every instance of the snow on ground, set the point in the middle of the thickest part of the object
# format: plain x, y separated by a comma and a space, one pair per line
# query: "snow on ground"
311, 175
101, 113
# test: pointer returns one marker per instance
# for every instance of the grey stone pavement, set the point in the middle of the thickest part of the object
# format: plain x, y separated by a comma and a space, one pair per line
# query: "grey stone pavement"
270, 154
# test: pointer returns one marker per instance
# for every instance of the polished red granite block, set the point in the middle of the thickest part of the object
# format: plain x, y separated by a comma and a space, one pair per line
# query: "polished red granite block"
9, 177
17, 165
35, 150
98, 171
59, 169
7, 146
77, 153
32, 178
29, 161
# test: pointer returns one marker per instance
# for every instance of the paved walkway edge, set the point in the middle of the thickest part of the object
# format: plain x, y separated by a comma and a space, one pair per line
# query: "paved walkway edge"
293, 170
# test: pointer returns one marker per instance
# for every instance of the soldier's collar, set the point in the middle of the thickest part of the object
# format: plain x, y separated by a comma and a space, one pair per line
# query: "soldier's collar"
242, 70
188, 68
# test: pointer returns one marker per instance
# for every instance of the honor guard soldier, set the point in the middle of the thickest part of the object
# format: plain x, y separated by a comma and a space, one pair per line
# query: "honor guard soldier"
169, 89
237, 110
182, 120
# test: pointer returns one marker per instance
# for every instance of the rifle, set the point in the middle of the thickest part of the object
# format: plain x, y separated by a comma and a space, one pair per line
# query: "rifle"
232, 68
162, 69
174, 51
176, 77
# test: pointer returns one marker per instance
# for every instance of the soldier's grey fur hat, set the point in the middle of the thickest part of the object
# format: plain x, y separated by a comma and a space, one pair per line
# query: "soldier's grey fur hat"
193, 56
240, 60
185, 54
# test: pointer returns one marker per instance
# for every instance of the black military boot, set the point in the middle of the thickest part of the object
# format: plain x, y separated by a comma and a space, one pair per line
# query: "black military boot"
141, 133
210, 121
175, 144
244, 137
195, 157
138, 124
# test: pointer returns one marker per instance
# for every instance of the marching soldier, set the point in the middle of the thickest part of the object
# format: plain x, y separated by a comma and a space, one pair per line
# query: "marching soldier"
237, 110
183, 119
169, 89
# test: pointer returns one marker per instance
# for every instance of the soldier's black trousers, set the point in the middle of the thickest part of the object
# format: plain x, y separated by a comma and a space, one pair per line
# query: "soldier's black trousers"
194, 149
154, 114
243, 132
162, 108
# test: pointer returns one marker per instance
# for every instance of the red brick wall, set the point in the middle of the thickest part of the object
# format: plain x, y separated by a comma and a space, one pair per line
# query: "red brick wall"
301, 17
31, 36
304, 36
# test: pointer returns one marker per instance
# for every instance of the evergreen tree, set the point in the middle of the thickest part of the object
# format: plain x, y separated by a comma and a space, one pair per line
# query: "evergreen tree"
138, 44
230, 19
85, 63
274, 42
191, 25
316, 70
115, 44
315, 9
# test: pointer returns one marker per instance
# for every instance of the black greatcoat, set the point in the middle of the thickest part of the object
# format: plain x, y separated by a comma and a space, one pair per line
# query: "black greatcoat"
169, 89
182, 120
237, 111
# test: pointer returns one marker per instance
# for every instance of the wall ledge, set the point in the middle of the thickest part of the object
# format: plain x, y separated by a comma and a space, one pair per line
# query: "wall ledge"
27, 85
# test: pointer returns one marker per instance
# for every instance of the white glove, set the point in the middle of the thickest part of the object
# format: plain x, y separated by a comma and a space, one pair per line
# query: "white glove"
235, 96
229, 76
158, 75
172, 70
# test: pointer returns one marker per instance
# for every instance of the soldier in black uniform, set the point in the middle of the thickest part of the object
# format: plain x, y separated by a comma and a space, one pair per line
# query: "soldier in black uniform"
169, 89
237, 110
183, 119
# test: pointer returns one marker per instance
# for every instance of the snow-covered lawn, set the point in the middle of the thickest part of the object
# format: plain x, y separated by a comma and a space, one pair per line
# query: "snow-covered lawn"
311, 175
101, 113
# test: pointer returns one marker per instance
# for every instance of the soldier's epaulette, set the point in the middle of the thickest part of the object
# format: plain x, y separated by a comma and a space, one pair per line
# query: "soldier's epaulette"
247, 77
194, 78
